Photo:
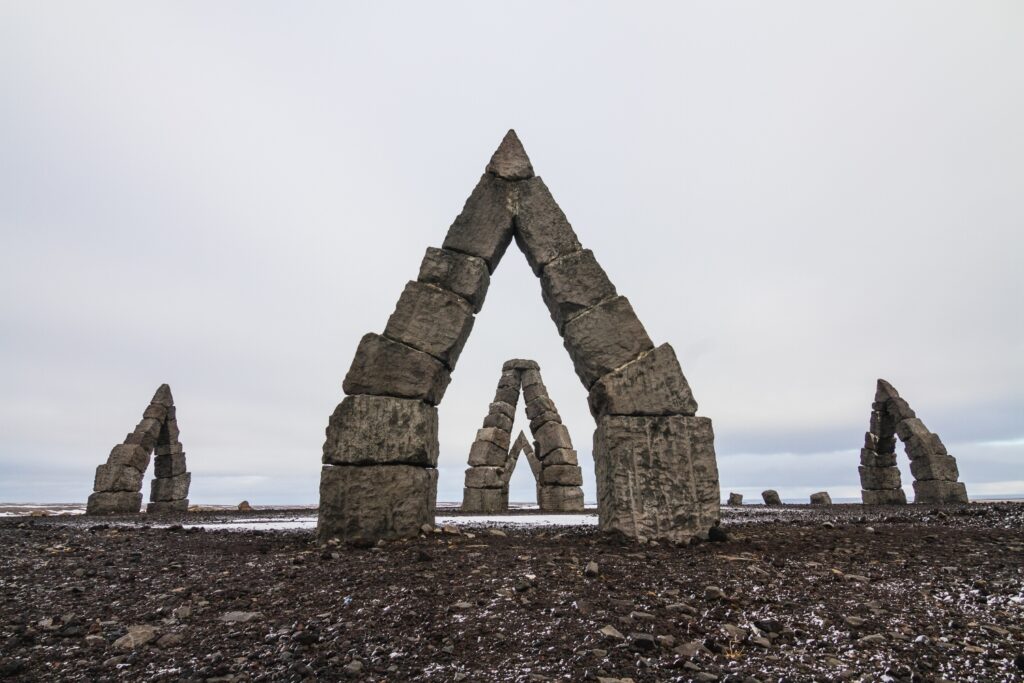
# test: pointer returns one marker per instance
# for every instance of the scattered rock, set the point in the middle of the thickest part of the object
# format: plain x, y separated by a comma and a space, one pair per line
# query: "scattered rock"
591, 569
642, 642
244, 506
137, 636
717, 534
714, 593
240, 617
170, 640
610, 631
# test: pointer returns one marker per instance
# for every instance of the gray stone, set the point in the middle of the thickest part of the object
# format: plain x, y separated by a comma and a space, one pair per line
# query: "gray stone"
155, 411
509, 160
884, 497
500, 407
163, 396
935, 467
539, 405
541, 229
498, 437
129, 455
939, 492
170, 488
657, 477
169, 449
465, 275
879, 477
168, 465
885, 391
382, 430
528, 377
560, 498
561, 456
506, 395
168, 433
114, 502
547, 416
486, 453
550, 436
484, 501
519, 364
432, 320
483, 477
369, 503
534, 391
168, 507
882, 424
735, 499
146, 434
498, 420
509, 380
484, 228
382, 367
117, 478
821, 498
871, 459
561, 475
572, 284
605, 338
918, 441
771, 497
653, 384
899, 409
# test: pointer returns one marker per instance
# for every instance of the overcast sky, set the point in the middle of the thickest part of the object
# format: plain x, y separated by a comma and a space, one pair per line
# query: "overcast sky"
799, 197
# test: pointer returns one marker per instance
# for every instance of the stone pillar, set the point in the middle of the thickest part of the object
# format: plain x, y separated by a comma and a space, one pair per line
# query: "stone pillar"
735, 499
821, 498
490, 464
771, 497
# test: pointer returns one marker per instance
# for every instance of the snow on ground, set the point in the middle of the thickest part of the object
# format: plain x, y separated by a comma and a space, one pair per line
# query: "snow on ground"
309, 522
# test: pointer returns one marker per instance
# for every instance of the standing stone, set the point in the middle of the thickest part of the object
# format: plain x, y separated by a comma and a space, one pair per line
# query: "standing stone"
771, 497
821, 498
735, 499
369, 503
605, 338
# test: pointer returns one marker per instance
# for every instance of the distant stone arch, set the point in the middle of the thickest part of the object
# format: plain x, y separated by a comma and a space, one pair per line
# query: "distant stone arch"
655, 461
557, 472
935, 471
117, 488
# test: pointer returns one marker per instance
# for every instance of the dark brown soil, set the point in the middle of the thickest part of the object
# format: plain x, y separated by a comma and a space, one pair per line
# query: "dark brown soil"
809, 594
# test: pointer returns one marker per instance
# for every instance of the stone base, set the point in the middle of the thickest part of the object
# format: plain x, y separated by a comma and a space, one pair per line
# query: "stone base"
883, 497
938, 492
657, 477
114, 503
484, 501
169, 489
879, 478
369, 503
560, 498
169, 507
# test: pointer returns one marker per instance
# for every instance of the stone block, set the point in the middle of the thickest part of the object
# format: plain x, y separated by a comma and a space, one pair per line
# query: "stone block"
528, 377
550, 436
506, 395
483, 477
484, 501
918, 441
543, 418
939, 492
541, 229
381, 430
168, 433
498, 420
168, 507
561, 456
605, 338
771, 497
541, 404
821, 498
885, 391
560, 498
171, 488
465, 275
656, 476
561, 475
886, 445
935, 467
510, 160
431, 320
146, 434
869, 458
130, 455
370, 503
484, 228
168, 465
382, 367
500, 407
510, 380
117, 478
882, 424
653, 384
899, 409
498, 437
572, 284
169, 449
884, 497
519, 364
155, 411
875, 478
114, 503
486, 453
735, 499
534, 391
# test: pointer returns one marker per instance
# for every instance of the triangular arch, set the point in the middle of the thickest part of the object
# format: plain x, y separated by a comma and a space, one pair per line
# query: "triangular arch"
117, 488
934, 469
654, 459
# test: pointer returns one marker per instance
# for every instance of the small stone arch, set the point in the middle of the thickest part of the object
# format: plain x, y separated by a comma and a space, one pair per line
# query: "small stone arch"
553, 460
936, 478
117, 488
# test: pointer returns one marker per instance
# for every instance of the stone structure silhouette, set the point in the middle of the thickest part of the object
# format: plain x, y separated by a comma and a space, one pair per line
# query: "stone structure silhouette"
655, 460
935, 471
491, 462
771, 497
118, 484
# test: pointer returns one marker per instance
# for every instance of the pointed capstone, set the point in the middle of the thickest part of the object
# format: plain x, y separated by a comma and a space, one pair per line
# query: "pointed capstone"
510, 160
163, 396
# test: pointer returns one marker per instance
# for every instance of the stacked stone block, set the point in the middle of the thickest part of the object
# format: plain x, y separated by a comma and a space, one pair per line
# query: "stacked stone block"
934, 470
117, 487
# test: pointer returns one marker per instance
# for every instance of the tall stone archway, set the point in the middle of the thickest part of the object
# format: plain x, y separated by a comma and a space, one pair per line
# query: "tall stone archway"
655, 461
934, 469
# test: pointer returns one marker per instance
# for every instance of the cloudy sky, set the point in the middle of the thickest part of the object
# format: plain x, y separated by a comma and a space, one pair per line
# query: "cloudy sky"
800, 197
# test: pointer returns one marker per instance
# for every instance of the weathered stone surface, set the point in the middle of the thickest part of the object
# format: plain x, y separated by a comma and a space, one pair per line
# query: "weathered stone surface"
869, 458
168, 507
168, 466
368, 503
550, 436
484, 228
169, 449
879, 478
939, 492
381, 430
561, 475
605, 338
506, 409
483, 478
146, 434
528, 377
539, 405
486, 453
114, 502
561, 456
821, 498
886, 445
509, 380
899, 409
884, 497
465, 275
653, 384
935, 467
168, 433
735, 499
771, 497
498, 437
382, 367
509, 160
882, 424
519, 364
885, 391
432, 320
130, 455
918, 441
572, 284
498, 420
560, 498
534, 391
656, 476
484, 501
547, 416
170, 488
541, 229
155, 411
163, 396
117, 478
506, 395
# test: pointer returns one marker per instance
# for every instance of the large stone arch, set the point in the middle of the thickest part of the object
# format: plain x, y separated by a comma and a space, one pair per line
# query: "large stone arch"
655, 461
935, 472
558, 474
117, 488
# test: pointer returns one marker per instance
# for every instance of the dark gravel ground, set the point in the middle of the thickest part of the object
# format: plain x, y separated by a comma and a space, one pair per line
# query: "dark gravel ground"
796, 594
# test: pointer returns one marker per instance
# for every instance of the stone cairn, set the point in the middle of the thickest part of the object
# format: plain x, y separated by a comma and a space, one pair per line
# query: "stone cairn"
735, 499
821, 498
935, 471
491, 462
655, 460
771, 497
118, 484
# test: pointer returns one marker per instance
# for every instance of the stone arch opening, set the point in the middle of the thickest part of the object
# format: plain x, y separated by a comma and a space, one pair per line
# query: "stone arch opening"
117, 488
936, 477
655, 462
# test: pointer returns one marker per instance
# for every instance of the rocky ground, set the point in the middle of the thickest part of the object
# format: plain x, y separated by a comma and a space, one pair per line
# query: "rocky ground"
795, 594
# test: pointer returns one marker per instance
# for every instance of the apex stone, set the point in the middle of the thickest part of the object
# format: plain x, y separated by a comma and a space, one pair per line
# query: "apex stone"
510, 160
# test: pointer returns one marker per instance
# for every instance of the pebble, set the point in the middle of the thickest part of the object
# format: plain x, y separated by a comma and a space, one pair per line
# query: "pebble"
591, 569
137, 636
354, 668
873, 638
714, 592
240, 617
610, 631
643, 642
855, 622
170, 640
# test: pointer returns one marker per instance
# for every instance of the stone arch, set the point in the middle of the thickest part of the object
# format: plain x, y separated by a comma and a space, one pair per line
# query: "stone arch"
117, 488
934, 469
655, 460
491, 461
